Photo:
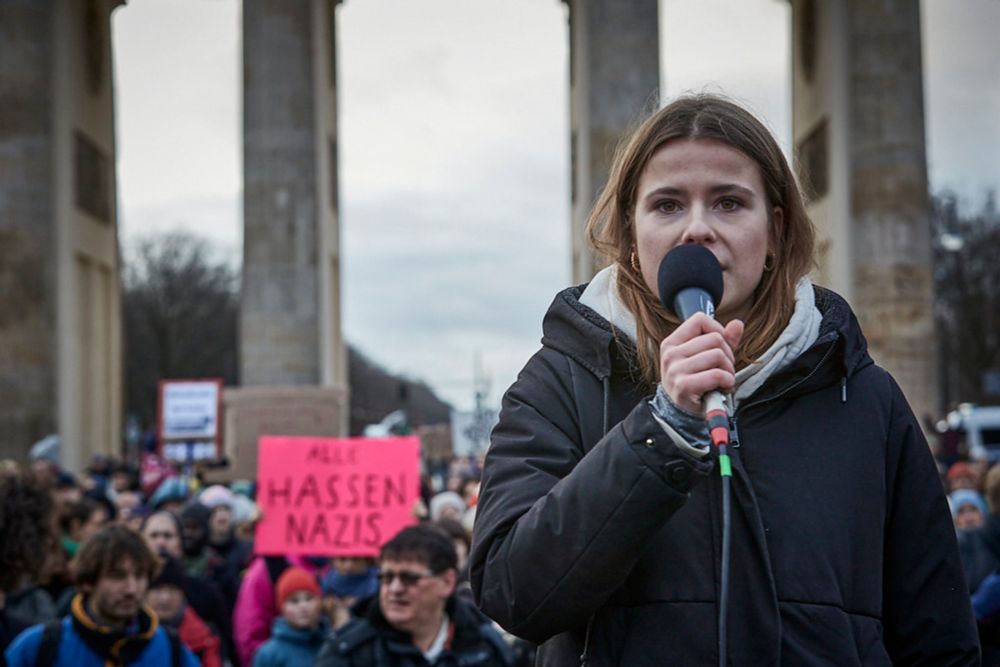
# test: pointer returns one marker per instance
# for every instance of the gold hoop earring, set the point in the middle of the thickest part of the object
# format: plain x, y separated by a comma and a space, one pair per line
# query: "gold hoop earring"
635, 262
768, 262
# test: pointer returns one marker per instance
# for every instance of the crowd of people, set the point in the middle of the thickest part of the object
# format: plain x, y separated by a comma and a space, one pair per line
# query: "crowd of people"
129, 563
973, 487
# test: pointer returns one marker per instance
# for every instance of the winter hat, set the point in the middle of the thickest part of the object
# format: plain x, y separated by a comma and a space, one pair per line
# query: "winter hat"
961, 469
357, 586
244, 509
243, 487
444, 500
171, 574
293, 580
171, 489
962, 497
65, 480
46, 449
216, 495
193, 515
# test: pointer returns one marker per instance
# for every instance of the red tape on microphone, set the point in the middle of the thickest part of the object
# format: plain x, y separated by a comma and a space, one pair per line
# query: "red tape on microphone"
718, 427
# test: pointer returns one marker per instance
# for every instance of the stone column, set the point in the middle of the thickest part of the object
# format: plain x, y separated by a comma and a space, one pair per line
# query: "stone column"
60, 327
27, 228
614, 79
858, 123
290, 328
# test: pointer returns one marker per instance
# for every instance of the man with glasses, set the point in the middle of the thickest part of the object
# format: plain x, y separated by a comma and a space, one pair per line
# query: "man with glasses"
416, 620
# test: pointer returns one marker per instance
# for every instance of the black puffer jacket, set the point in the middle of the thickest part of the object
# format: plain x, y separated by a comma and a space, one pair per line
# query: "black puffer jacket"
843, 547
370, 641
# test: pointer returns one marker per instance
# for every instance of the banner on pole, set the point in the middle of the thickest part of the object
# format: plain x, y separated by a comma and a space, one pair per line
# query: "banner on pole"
334, 496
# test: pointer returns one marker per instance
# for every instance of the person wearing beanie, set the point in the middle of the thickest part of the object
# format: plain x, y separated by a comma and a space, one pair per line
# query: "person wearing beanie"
194, 537
166, 597
447, 504
968, 509
228, 556
256, 607
44, 456
298, 633
962, 476
349, 580
171, 494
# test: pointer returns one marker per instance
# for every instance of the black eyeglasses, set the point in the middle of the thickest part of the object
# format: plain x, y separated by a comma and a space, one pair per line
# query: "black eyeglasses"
408, 579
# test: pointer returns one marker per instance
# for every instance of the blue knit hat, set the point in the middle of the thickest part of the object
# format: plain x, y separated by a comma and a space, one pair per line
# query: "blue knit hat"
351, 585
172, 489
962, 497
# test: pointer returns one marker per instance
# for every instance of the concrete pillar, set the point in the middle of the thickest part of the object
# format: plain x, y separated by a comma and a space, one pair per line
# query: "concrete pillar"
858, 123
60, 321
290, 326
614, 78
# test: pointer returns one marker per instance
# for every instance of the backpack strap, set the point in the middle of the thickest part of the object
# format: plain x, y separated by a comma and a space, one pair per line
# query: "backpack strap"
175, 647
48, 647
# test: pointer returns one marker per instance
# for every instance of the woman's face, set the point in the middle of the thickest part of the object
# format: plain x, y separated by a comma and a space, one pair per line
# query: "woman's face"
162, 536
220, 525
704, 191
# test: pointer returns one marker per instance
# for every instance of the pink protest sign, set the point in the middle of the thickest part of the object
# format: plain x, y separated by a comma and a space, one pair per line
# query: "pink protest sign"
334, 496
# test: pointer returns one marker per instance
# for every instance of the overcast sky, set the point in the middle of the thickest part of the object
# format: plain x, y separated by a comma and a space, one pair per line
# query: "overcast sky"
454, 148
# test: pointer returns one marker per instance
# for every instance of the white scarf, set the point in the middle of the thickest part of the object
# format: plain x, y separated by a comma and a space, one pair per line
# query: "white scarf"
802, 330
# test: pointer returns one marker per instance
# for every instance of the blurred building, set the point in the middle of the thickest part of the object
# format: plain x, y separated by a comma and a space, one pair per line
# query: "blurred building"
859, 138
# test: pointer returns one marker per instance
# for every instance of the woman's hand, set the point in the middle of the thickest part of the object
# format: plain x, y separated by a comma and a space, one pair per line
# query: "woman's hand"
698, 358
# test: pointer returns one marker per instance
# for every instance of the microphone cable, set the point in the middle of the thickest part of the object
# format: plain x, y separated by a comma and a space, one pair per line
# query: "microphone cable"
718, 427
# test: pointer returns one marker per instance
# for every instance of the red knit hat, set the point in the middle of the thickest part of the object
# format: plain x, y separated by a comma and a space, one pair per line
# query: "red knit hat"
293, 580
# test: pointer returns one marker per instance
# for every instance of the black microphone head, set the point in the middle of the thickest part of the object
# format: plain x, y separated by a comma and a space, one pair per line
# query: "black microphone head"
689, 265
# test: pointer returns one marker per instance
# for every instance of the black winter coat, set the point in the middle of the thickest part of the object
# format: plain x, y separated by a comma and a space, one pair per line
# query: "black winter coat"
843, 548
369, 641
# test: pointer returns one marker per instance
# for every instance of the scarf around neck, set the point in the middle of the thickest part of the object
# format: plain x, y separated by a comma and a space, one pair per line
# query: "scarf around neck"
118, 647
802, 330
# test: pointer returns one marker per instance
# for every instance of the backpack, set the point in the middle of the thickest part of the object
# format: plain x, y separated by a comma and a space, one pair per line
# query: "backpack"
48, 649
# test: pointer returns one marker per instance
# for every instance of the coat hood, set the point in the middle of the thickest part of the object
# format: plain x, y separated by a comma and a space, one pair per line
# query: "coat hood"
313, 636
582, 334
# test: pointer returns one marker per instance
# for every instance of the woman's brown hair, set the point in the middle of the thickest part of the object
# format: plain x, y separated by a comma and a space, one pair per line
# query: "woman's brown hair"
611, 231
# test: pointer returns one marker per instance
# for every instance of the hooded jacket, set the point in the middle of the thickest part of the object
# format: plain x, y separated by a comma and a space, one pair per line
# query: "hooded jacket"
198, 637
290, 647
599, 538
84, 643
256, 607
370, 640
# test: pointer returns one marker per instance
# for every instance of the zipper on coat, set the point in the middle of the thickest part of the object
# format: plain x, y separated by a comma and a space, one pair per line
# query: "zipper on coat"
606, 384
734, 433
584, 656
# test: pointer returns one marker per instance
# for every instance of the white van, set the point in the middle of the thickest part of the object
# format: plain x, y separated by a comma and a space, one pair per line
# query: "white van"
982, 431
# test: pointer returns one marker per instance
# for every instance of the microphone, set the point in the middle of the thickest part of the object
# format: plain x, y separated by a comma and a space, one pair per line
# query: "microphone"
690, 281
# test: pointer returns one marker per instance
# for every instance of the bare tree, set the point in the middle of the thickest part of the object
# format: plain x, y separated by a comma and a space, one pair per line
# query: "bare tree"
375, 392
967, 300
181, 310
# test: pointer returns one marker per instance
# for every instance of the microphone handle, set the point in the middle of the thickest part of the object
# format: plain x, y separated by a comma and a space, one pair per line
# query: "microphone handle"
691, 300
687, 302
